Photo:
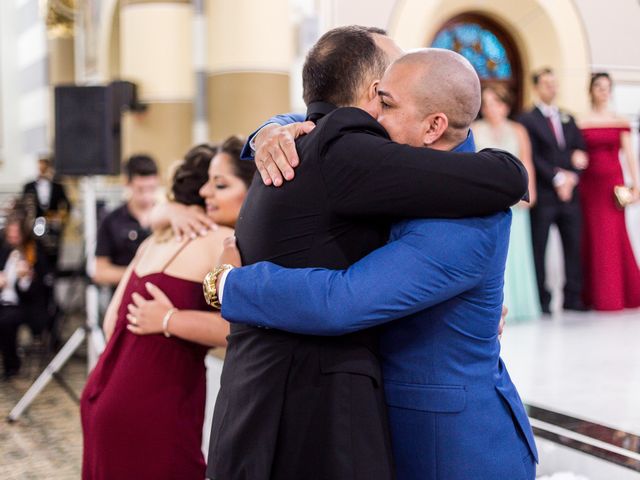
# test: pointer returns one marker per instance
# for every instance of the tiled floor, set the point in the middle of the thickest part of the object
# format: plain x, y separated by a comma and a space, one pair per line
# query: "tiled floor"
586, 365
46, 442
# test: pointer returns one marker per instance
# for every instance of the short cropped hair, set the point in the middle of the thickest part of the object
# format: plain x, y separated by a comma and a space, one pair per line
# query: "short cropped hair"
535, 77
140, 166
340, 62
502, 92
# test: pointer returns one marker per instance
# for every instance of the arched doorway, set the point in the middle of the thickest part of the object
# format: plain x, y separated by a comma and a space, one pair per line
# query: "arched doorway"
488, 47
545, 33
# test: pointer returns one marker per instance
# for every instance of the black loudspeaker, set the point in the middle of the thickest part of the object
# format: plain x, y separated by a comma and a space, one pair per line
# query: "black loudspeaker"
87, 127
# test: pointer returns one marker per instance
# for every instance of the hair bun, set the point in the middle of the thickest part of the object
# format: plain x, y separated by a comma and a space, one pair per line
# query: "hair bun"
192, 174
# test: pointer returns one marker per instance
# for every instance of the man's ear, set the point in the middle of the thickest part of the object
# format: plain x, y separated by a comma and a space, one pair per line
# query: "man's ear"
372, 91
435, 126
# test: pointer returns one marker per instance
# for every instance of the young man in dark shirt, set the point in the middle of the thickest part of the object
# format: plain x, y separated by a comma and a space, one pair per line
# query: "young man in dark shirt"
123, 230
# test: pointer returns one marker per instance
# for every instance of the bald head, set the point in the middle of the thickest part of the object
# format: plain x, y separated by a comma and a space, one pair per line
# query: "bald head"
443, 81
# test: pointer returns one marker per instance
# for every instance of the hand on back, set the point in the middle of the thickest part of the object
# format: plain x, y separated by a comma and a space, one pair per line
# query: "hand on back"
276, 155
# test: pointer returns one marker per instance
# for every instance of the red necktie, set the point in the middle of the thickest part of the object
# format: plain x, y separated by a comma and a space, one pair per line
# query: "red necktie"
553, 130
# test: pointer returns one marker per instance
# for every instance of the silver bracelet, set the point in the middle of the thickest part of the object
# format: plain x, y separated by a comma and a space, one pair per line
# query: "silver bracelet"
165, 321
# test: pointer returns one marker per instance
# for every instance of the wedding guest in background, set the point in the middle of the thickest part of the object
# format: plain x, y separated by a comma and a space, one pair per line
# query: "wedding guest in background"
612, 277
49, 206
123, 230
24, 274
497, 131
558, 156
143, 406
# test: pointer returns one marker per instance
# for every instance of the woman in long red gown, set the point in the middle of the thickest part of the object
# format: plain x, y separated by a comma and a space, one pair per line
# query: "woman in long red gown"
612, 276
143, 406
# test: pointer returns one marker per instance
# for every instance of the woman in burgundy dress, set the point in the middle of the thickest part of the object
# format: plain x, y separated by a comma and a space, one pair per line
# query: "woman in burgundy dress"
143, 406
612, 277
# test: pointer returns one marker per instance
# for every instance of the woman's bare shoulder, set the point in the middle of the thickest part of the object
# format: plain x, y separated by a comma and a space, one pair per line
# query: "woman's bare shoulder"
216, 237
207, 248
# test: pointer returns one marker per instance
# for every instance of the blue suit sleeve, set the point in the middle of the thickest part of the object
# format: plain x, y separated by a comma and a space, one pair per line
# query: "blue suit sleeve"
419, 270
282, 120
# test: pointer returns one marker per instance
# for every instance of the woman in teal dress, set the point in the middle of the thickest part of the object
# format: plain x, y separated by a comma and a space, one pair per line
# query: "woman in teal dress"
496, 130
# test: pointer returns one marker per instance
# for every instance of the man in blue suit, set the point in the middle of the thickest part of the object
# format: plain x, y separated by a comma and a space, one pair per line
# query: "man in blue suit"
453, 410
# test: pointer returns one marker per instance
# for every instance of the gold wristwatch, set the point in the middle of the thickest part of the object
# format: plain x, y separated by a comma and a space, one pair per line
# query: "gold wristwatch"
209, 285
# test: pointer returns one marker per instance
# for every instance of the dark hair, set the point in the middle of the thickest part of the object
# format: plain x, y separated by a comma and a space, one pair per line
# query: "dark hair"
243, 169
340, 62
503, 93
192, 174
19, 218
141, 166
48, 159
535, 77
596, 76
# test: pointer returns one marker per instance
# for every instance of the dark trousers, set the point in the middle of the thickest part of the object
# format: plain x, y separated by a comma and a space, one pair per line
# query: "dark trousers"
299, 408
568, 218
10, 318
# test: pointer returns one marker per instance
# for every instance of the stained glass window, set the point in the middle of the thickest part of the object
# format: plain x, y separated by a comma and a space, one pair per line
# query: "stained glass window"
480, 46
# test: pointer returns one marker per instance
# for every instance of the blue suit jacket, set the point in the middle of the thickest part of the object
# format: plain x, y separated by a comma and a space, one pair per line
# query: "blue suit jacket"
453, 410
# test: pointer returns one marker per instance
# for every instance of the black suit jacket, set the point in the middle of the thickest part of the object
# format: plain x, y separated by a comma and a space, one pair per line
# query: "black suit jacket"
293, 406
547, 155
57, 201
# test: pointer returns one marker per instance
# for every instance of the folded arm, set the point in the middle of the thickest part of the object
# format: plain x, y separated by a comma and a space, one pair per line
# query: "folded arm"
366, 174
419, 270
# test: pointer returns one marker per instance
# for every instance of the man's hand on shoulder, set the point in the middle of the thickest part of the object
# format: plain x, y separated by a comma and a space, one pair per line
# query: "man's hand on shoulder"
276, 154
185, 221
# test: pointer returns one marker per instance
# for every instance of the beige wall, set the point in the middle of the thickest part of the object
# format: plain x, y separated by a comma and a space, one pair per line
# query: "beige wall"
239, 102
547, 33
156, 49
61, 60
250, 51
156, 54
163, 131
249, 35
576, 36
612, 28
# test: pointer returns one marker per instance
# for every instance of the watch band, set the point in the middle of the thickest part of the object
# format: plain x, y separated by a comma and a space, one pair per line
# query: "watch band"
209, 286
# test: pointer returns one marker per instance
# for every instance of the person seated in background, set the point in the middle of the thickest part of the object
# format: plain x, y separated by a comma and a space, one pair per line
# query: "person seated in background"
144, 404
122, 231
25, 277
48, 206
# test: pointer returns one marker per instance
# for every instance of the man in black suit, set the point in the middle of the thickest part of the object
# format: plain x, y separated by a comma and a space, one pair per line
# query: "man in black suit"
48, 206
558, 156
300, 407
